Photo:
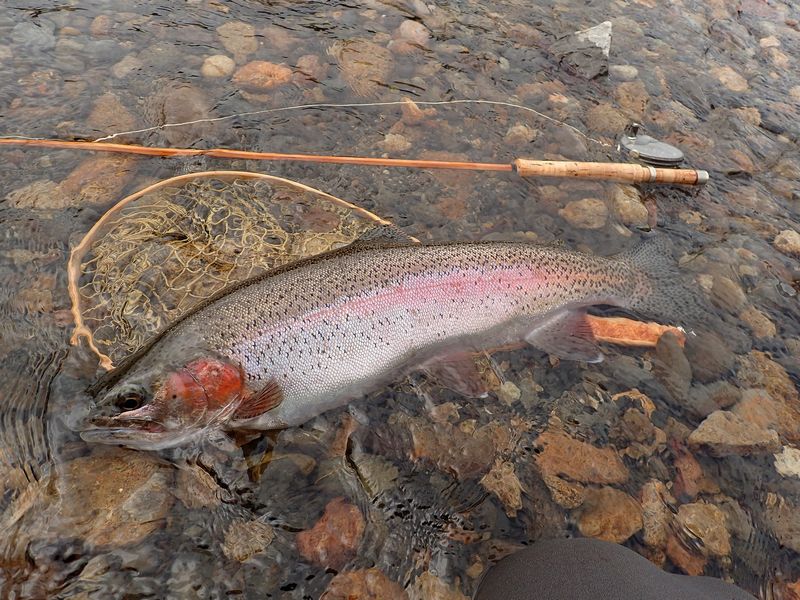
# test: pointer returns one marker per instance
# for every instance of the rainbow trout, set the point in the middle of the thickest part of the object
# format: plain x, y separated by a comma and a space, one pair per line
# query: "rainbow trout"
316, 334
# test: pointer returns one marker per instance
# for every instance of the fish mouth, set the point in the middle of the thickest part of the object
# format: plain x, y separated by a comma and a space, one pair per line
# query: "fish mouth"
134, 433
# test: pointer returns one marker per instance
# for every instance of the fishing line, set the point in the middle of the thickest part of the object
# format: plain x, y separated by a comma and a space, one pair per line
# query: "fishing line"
406, 102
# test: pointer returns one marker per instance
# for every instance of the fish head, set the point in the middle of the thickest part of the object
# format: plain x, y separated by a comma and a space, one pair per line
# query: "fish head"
152, 409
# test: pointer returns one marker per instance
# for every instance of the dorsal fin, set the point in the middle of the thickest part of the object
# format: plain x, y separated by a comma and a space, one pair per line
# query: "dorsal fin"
382, 235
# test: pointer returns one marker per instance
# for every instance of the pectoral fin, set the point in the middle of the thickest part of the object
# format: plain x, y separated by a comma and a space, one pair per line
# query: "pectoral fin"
260, 402
458, 373
566, 335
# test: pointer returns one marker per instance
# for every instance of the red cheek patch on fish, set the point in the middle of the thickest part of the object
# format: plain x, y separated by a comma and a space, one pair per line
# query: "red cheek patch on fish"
208, 383
182, 389
220, 382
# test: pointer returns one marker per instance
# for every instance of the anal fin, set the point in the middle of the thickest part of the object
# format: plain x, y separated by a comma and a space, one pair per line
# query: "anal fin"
260, 402
458, 372
567, 335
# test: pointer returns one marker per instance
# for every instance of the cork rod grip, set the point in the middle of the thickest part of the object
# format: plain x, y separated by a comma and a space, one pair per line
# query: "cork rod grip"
624, 172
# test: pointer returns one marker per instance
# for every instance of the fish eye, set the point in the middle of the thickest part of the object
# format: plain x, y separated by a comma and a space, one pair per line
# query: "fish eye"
130, 401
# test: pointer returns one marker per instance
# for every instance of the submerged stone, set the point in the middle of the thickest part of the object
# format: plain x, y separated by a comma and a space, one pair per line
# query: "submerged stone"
725, 433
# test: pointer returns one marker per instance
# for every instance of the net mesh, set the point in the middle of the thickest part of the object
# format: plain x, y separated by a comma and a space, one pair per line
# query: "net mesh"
158, 253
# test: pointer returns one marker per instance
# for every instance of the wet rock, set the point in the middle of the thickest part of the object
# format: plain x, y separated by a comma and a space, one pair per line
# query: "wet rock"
43, 82
41, 195
787, 590
769, 42
749, 114
632, 98
635, 431
758, 370
690, 480
705, 399
599, 35
758, 323
508, 393
727, 295
763, 411
688, 561
176, 102
788, 242
520, 135
628, 207
656, 514
413, 32
68, 52
429, 587
784, 519
126, 66
243, 539
465, 450
278, 39
395, 143
113, 499
609, 514
261, 76
585, 52
561, 455
364, 65
217, 65
589, 213
709, 356
364, 584
737, 521
301, 463
37, 35
623, 72
36, 296
101, 26
725, 433
606, 119
334, 539
707, 523
502, 481
377, 474
238, 38
731, 79
413, 114
309, 70
108, 50
671, 366
787, 462
197, 489
98, 181
565, 493
691, 217
109, 115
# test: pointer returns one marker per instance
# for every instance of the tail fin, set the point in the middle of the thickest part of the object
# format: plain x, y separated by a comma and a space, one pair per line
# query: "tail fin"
670, 297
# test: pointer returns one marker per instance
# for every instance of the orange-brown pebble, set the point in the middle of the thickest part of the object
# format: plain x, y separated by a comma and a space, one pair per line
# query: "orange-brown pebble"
364, 584
580, 461
334, 539
260, 76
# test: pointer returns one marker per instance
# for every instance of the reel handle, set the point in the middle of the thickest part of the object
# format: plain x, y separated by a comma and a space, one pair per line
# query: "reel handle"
623, 172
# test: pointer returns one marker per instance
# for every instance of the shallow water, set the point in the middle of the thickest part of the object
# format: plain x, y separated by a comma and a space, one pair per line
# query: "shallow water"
425, 487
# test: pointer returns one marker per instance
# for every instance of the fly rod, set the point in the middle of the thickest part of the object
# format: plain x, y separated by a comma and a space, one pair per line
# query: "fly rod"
621, 172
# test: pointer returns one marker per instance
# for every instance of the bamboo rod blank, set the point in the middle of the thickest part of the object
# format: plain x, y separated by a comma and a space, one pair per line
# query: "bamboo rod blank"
244, 154
624, 172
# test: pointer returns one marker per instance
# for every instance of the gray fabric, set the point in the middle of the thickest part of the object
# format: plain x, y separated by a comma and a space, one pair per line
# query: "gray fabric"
588, 569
